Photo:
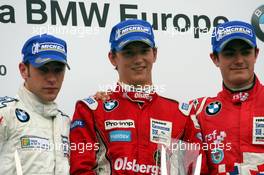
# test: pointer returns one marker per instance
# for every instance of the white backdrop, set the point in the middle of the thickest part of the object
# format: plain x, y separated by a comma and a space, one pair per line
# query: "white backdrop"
183, 68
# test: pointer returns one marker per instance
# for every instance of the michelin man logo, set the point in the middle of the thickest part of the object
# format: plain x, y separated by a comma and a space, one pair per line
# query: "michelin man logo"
35, 48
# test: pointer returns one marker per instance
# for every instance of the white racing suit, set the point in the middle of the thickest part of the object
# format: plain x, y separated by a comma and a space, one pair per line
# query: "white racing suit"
35, 133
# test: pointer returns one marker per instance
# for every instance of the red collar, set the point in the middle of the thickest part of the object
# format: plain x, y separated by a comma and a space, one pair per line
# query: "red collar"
138, 96
241, 96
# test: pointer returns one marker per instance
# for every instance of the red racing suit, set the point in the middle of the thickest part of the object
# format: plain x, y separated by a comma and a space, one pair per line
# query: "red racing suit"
231, 127
122, 133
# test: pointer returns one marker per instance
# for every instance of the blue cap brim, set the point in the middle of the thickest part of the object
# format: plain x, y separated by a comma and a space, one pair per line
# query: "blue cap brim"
44, 59
222, 46
131, 39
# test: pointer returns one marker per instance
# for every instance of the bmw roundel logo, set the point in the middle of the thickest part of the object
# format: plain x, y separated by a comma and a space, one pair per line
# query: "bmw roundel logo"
213, 108
22, 115
257, 21
110, 105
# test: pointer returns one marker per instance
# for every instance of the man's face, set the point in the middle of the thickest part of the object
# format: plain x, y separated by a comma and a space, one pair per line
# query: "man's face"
134, 63
236, 62
45, 81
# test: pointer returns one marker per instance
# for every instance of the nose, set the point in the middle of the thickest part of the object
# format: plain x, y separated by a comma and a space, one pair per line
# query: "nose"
239, 59
138, 58
51, 77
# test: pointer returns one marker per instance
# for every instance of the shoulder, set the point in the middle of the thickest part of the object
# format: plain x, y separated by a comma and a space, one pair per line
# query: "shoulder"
169, 100
183, 107
201, 103
90, 102
7, 108
7, 103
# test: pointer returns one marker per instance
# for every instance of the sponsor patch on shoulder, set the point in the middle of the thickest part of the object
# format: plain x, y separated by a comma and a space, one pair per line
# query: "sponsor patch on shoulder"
258, 130
77, 124
6, 99
185, 108
120, 136
91, 102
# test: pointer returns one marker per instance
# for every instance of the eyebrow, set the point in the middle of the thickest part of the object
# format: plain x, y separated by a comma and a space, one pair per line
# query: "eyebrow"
136, 48
244, 47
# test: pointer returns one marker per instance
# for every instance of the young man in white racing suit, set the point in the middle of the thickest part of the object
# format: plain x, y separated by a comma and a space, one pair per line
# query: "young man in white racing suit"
33, 132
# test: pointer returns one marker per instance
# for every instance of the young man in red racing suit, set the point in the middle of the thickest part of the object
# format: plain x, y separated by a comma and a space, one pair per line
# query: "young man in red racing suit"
123, 132
231, 125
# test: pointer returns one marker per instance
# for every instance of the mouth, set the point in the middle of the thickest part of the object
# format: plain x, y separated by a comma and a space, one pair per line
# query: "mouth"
138, 68
239, 68
50, 88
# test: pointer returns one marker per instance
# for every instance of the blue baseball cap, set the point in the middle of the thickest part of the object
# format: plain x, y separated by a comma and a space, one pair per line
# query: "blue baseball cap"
129, 31
228, 31
41, 49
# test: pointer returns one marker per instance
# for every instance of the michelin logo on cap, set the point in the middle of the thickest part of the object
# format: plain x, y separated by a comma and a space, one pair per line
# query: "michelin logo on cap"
47, 46
132, 28
222, 32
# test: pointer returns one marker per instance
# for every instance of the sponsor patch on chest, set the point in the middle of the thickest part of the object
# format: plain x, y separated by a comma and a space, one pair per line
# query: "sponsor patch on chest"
160, 131
258, 130
111, 124
34, 142
120, 136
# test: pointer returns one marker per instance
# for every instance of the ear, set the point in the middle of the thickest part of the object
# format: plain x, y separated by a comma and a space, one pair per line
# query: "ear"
215, 59
112, 59
155, 52
23, 71
256, 54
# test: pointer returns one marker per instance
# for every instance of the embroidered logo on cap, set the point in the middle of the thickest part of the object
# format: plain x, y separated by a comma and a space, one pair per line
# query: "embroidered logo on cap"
130, 29
47, 46
222, 32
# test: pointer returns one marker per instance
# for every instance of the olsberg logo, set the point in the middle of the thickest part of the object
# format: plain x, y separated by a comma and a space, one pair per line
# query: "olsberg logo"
257, 21
126, 165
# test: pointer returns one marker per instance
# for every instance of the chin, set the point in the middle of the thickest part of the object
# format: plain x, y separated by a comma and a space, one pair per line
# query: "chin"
239, 81
49, 98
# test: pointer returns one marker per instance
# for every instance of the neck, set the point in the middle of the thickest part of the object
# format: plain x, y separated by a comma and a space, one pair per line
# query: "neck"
35, 96
241, 88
